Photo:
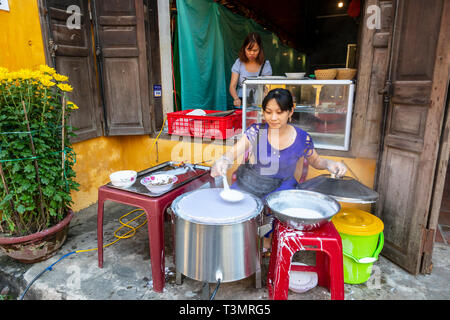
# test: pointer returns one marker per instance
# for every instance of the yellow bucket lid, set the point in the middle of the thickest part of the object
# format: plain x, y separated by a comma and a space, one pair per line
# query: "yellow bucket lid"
356, 222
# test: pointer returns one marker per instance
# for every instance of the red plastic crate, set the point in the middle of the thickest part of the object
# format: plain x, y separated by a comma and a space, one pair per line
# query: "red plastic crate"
204, 126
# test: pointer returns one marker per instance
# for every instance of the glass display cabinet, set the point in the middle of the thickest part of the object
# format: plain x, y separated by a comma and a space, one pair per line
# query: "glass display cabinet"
323, 108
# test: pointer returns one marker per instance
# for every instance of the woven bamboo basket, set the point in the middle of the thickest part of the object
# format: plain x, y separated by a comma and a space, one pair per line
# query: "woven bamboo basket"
325, 74
345, 73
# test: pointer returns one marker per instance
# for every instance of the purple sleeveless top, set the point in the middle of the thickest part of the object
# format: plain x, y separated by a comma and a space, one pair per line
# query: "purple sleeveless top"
274, 163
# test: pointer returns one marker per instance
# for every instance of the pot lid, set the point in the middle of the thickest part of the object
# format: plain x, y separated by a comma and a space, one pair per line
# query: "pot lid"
205, 206
345, 189
356, 222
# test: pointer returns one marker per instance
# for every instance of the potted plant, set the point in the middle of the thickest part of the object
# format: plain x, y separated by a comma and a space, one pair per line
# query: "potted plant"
36, 163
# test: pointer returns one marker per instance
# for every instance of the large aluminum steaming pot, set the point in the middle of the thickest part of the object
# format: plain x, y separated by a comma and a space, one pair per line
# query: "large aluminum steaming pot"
281, 201
216, 239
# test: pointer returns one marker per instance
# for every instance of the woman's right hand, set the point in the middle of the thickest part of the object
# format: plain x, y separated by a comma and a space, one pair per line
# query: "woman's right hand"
220, 167
237, 102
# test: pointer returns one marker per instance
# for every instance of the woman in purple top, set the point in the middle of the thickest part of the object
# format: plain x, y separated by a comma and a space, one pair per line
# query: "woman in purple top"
272, 152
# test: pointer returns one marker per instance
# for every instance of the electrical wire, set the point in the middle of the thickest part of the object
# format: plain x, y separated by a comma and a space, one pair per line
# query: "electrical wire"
215, 290
125, 235
119, 237
157, 137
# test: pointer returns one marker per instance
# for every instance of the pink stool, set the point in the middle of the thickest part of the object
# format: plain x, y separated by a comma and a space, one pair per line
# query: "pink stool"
327, 243
154, 208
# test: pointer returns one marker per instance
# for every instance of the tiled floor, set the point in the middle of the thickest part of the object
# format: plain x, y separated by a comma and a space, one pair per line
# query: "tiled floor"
443, 232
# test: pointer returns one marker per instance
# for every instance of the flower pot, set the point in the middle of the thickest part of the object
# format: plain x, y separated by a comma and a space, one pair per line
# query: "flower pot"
38, 246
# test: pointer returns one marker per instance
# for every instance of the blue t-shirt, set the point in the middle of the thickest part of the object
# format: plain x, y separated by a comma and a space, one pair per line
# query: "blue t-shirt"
239, 68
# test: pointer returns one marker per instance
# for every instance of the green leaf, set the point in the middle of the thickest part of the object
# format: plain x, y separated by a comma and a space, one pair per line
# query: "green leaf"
20, 209
6, 199
29, 168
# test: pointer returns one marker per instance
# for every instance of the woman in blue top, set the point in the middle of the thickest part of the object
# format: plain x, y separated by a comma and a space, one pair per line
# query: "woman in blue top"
251, 63
276, 150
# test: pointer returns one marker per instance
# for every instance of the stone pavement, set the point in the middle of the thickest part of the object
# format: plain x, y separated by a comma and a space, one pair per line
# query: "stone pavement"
126, 274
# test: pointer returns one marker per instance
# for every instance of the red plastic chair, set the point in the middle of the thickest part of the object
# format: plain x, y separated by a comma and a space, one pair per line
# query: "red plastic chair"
327, 243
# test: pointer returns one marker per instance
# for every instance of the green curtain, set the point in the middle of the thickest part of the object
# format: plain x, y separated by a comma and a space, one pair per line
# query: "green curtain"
209, 38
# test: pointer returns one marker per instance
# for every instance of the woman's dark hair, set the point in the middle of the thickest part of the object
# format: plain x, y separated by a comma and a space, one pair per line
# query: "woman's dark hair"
249, 42
283, 98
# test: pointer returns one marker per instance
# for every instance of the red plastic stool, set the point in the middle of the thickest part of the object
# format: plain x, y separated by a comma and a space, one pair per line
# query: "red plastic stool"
327, 243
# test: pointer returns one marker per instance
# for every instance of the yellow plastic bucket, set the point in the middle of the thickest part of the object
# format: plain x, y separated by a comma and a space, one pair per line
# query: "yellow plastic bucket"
362, 241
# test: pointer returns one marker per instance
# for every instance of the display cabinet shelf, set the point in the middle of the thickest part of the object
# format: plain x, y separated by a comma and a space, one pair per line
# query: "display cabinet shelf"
323, 108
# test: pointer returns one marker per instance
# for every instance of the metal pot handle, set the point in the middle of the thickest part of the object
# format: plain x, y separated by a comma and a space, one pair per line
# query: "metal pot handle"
262, 230
171, 214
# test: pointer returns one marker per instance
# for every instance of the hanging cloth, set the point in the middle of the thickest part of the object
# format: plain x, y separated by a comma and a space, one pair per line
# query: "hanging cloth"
209, 39
354, 8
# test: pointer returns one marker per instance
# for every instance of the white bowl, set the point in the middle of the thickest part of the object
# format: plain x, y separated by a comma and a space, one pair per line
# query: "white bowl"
302, 281
124, 178
196, 112
295, 75
159, 183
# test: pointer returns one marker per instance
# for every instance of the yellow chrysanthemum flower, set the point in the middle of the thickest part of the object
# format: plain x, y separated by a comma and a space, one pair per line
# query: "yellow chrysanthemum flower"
47, 82
13, 75
60, 77
45, 77
4, 73
65, 87
46, 69
24, 74
72, 105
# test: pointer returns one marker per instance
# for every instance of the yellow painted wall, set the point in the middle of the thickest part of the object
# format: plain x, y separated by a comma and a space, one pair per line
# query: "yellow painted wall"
22, 47
21, 43
97, 158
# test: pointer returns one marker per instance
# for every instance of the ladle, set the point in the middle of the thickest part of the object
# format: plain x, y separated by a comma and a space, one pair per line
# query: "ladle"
371, 259
230, 195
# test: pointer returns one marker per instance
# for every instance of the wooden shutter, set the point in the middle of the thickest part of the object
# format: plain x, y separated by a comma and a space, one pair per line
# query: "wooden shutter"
372, 72
420, 74
121, 38
74, 57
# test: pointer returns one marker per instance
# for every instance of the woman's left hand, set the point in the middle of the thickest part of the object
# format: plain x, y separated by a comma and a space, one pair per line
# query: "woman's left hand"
337, 168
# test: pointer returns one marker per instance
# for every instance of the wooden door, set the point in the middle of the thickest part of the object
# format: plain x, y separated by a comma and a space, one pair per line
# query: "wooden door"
374, 47
415, 115
121, 40
74, 57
